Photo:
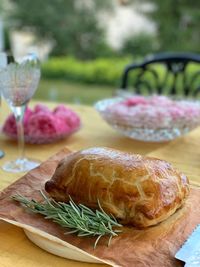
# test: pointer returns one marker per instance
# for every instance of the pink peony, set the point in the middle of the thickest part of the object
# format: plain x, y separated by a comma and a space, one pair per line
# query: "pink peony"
135, 100
155, 112
67, 115
10, 125
61, 108
160, 100
43, 125
40, 107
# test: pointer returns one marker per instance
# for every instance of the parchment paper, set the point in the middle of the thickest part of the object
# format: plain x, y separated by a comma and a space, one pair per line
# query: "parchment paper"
153, 247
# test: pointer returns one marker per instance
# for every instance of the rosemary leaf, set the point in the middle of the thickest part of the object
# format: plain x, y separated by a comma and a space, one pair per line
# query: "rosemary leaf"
80, 219
97, 240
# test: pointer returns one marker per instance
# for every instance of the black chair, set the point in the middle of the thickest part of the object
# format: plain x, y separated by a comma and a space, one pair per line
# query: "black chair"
179, 74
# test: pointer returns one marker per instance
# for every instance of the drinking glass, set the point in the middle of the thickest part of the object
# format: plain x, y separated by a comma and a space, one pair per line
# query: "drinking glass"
18, 83
3, 64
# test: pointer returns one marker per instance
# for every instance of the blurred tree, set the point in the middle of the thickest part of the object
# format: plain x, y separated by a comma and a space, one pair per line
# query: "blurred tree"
139, 44
178, 23
5, 38
72, 25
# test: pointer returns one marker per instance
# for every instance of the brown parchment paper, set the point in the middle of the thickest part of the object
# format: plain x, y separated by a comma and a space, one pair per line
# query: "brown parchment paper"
153, 247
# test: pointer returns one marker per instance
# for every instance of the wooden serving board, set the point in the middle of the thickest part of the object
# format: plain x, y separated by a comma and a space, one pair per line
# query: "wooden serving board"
155, 246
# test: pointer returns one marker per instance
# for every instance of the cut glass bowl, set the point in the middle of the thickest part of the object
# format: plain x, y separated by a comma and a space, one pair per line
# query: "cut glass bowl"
149, 126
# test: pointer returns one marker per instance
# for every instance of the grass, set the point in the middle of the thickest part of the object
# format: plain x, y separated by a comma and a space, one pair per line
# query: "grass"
64, 91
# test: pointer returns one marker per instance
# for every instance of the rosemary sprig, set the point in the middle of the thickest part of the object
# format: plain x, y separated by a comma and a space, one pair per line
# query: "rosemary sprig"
80, 219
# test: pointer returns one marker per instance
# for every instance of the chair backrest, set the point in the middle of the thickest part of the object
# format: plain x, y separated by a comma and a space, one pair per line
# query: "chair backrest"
179, 74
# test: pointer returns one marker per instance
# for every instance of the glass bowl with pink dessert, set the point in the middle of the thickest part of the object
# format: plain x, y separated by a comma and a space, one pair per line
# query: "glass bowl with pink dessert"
150, 118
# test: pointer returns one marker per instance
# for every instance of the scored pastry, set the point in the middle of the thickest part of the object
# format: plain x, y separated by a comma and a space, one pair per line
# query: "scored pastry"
138, 190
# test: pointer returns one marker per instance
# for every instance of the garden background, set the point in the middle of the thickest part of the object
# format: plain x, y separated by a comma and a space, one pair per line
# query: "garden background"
82, 61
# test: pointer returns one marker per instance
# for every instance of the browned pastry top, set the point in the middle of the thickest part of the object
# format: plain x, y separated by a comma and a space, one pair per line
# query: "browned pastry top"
138, 190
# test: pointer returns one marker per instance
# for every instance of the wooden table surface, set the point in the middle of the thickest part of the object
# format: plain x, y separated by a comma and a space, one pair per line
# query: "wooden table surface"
15, 249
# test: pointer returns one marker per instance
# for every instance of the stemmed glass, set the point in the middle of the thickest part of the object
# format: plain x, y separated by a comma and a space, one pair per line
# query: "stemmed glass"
3, 64
18, 83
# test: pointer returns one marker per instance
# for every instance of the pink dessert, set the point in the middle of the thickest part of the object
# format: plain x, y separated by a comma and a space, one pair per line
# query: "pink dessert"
155, 112
41, 125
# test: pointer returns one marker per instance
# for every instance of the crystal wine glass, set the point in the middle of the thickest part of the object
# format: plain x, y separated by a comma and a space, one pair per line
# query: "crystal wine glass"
18, 83
3, 64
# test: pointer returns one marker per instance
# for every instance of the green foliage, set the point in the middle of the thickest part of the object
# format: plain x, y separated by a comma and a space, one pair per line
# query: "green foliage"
74, 29
103, 71
177, 23
7, 45
139, 44
99, 71
71, 25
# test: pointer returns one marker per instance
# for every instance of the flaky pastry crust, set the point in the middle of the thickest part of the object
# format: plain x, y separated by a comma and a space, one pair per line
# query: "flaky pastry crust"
138, 190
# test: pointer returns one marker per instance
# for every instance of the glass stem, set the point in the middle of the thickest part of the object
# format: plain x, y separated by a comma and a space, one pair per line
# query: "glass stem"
19, 117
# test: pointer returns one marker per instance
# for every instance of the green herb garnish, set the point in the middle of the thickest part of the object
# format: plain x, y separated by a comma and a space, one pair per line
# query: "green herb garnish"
82, 220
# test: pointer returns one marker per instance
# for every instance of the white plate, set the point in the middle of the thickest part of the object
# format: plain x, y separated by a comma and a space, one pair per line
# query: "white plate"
68, 251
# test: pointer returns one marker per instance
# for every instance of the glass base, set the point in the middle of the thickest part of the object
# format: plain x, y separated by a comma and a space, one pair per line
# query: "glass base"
20, 165
2, 154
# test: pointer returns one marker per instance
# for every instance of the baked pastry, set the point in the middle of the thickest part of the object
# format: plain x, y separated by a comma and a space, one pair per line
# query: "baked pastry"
138, 190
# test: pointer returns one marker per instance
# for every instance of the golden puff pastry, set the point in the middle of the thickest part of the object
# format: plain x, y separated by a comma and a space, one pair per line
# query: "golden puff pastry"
138, 190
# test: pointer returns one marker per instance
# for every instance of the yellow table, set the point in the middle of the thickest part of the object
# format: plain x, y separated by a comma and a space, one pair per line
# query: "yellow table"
15, 249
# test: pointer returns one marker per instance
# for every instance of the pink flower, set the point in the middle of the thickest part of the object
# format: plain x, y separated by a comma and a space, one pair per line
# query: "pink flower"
67, 115
40, 107
61, 108
176, 112
155, 112
160, 100
10, 124
27, 115
135, 100
43, 125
